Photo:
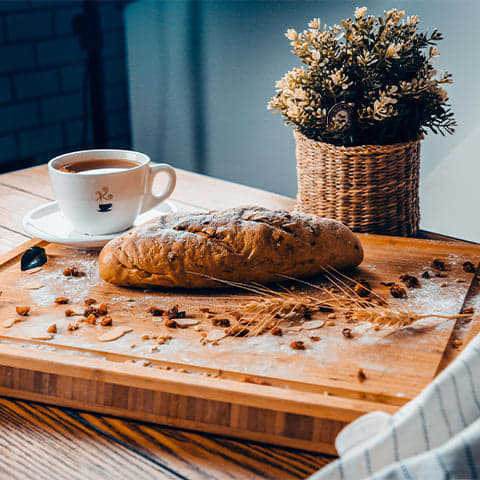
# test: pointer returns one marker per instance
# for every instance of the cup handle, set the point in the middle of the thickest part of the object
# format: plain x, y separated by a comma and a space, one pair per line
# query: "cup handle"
150, 200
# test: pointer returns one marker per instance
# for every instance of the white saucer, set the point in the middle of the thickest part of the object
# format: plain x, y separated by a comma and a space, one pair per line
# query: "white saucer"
48, 223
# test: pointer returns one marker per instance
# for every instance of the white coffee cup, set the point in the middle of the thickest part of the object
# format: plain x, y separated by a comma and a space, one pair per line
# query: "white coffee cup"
107, 200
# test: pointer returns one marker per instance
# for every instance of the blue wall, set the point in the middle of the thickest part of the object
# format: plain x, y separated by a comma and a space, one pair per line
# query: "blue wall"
243, 53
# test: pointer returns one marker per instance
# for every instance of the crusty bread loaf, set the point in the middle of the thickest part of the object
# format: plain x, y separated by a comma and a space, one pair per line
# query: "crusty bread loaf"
244, 244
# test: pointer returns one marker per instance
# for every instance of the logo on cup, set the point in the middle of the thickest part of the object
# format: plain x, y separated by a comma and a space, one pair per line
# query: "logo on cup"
103, 196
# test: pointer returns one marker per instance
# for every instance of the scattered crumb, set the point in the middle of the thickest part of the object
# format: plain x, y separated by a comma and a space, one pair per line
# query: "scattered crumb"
89, 301
410, 281
347, 333
145, 337
361, 377
106, 321
297, 345
457, 343
220, 322
155, 311
315, 339
468, 267
70, 313
426, 274
331, 316
170, 323
330, 324
459, 280
277, 331
441, 275
254, 380
362, 288
23, 311
61, 301
73, 326
103, 309
443, 284
398, 291
438, 264
52, 328
73, 272
91, 319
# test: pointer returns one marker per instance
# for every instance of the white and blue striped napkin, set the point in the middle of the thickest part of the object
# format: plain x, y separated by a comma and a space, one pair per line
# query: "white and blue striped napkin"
435, 436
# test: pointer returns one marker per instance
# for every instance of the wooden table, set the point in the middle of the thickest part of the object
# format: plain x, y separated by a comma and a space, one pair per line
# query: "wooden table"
45, 442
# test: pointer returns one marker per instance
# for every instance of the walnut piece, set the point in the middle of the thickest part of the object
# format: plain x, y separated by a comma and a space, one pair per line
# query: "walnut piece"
347, 333
61, 300
277, 331
398, 291
73, 272
52, 328
220, 322
106, 321
468, 267
410, 281
361, 377
297, 345
89, 301
23, 311
91, 319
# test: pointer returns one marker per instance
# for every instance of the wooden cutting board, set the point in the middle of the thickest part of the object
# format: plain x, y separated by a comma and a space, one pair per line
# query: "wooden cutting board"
256, 387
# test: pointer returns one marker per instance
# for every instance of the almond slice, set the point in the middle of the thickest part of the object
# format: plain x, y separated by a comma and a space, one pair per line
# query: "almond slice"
114, 334
10, 322
33, 270
33, 286
215, 335
313, 324
186, 322
41, 336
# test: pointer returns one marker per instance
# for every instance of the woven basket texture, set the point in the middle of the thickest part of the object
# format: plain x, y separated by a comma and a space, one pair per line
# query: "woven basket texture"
369, 188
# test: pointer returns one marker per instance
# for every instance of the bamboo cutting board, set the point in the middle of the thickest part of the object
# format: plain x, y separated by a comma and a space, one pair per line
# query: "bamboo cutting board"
257, 388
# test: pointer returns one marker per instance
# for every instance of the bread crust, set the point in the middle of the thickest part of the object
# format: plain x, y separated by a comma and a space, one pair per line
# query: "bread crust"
244, 244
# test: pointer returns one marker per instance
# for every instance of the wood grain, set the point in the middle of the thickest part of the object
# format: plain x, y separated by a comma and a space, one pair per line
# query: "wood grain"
173, 453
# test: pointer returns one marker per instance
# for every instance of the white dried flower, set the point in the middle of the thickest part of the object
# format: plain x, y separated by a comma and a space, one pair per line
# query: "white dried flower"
360, 12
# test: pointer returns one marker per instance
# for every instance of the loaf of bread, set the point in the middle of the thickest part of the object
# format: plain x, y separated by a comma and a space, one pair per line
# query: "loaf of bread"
244, 244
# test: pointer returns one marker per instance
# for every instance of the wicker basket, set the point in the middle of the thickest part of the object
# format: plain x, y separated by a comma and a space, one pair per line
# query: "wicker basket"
370, 188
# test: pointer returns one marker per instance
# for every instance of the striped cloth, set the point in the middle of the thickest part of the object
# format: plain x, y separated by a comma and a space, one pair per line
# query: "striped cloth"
435, 436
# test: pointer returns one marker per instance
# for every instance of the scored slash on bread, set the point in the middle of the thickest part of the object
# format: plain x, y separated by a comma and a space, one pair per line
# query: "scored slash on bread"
243, 244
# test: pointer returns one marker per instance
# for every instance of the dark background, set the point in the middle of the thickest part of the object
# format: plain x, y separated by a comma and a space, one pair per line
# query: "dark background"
45, 84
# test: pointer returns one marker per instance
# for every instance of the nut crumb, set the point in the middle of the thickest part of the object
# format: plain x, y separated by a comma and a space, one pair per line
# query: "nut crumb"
23, 311
361, 376
438, 264
441, 275
255, 381
61, 301
332, 316
170, 323
459, 280
52, 328
145, 337
315, 339
70, 313
102, 309
468, 267
156, 312
220, 322
347, 333
89, 301
398, 291
330, 324
91, 319
277, 331
410, 281
73, 272
73, 326
426, 274
362, 288
106, 321
457, 343
443, 284
132, 345
297, 345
